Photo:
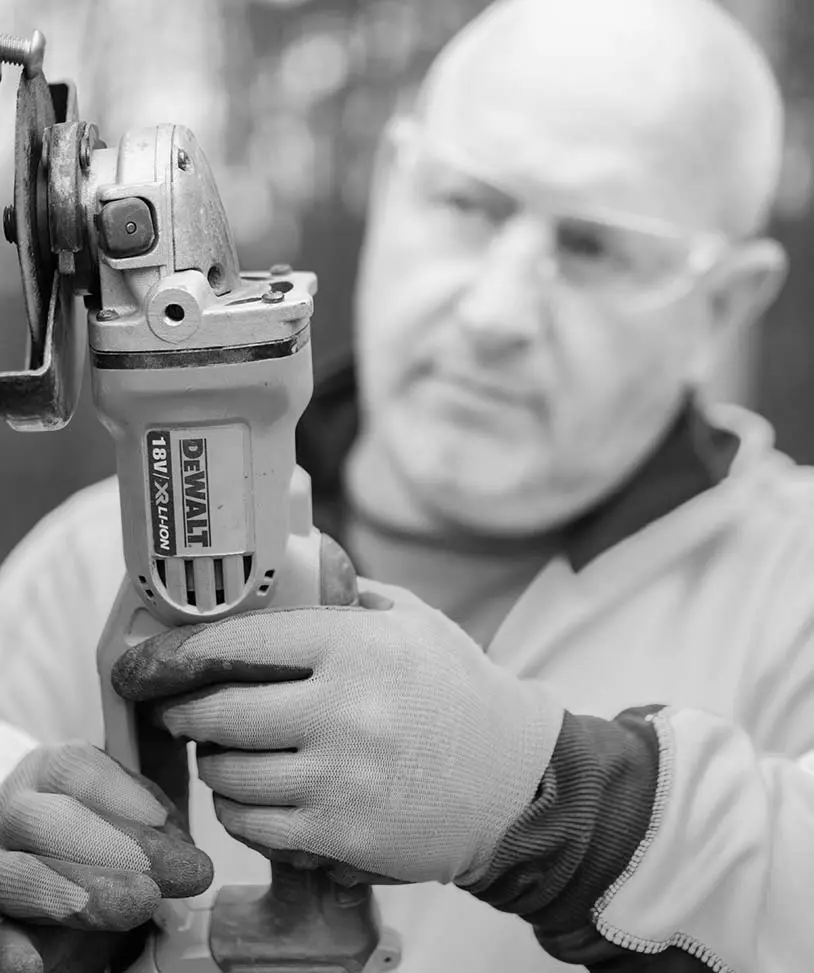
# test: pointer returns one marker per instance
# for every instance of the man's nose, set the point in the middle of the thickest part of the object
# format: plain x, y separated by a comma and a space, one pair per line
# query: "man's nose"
505, 304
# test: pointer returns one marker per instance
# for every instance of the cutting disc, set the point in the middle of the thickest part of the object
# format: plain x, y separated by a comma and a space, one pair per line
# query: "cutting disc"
35, 113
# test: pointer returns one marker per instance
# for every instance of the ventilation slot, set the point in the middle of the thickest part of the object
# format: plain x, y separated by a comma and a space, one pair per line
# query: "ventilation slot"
204, 583
220, 593
265, 585
146, 586
189, 573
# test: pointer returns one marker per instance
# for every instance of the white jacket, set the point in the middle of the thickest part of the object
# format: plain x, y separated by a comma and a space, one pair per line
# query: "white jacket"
709, 609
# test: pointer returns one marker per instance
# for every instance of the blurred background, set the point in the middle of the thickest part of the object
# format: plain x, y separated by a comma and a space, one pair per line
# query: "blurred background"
287, 98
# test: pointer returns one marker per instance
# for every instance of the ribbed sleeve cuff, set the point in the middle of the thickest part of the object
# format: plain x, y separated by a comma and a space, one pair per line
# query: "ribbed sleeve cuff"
591, 812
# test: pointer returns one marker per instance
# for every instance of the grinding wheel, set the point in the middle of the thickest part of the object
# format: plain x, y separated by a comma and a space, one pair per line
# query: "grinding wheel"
35, 113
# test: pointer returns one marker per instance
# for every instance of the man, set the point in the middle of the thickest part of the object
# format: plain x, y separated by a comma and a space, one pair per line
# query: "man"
561, 235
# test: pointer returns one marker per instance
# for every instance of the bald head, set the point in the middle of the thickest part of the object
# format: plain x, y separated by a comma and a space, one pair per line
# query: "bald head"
678, 84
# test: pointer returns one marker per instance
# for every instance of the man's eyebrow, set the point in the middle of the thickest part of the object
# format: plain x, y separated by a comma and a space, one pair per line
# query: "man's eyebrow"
440, 168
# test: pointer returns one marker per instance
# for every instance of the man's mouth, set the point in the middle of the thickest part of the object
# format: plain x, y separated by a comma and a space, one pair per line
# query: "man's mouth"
482, 390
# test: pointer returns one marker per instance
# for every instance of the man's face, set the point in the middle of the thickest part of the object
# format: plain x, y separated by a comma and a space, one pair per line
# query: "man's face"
518, 358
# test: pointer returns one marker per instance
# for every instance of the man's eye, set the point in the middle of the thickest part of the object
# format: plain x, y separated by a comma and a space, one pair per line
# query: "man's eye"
464, 204
583, 241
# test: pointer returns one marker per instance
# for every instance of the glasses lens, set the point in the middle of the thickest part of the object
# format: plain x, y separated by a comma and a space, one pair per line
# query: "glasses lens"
610, 256
605, 256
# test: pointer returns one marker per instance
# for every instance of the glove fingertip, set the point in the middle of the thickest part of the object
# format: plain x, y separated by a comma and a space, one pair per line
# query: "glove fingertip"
175, 864
149, 670
131, 673
191, 874
120, 902
179, 868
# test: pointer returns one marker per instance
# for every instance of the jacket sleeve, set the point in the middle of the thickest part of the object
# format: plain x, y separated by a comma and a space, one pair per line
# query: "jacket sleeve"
726, 870
664, 841
56, 589
14, 745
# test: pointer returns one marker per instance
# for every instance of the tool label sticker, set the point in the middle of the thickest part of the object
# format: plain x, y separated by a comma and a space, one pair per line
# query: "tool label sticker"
159, 486
198, 490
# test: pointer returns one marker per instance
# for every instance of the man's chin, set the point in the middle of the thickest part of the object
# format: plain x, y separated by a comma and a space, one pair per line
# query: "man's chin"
487, 500
487, 483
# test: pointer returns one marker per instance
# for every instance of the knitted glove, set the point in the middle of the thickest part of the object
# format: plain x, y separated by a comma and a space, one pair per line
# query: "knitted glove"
377, 736
88, 845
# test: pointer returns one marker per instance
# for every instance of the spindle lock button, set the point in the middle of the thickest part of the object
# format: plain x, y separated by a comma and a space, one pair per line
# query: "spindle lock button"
126, 227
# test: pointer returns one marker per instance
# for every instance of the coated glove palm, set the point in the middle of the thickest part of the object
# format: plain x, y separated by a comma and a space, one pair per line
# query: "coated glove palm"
380, 737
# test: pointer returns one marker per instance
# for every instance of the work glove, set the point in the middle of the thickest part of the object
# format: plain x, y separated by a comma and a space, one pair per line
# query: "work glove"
88, 845
379, 737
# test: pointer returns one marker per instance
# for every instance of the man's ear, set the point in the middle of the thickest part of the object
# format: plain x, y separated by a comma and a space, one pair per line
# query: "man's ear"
747, 283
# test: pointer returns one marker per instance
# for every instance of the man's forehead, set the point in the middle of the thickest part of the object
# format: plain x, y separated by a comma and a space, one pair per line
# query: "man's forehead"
579, 160
636, 89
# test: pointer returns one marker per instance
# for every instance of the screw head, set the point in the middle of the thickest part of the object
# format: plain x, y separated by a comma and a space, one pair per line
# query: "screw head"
281, 270
107, 314
35, 56
87, 142
10, 224
273, 297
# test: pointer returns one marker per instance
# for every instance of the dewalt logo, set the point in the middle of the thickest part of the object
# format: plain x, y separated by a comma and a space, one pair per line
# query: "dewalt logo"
195, 491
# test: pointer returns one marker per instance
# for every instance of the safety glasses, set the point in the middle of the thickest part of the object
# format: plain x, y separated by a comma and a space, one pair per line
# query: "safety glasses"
615, 258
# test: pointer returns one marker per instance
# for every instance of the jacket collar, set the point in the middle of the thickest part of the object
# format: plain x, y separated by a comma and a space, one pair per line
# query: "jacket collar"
692, 457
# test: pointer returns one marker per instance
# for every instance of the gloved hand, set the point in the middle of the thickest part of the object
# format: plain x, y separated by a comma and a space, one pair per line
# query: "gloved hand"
377, 736
88, 845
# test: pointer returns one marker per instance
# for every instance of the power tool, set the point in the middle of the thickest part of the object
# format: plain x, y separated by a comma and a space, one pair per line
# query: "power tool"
200, 373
